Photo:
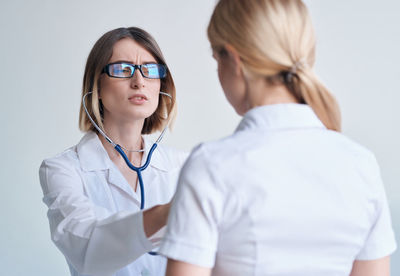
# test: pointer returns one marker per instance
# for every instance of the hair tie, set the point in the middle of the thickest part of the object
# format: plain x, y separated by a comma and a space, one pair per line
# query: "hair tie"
300, 64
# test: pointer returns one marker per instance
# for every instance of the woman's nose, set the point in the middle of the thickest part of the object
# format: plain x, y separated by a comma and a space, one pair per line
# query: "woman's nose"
137, 80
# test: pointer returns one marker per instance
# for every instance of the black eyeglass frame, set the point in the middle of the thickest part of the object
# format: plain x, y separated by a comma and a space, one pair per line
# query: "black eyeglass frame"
135, 66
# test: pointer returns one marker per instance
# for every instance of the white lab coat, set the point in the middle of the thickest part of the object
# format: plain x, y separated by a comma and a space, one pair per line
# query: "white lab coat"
94, 214
281, 196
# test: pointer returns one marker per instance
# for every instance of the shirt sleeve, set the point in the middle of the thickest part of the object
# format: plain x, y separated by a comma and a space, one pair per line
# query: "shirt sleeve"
92, 241
380, 241
192, 229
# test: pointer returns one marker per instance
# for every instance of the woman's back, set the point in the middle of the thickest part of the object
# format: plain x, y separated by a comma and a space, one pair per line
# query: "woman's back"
286, 194
287, 197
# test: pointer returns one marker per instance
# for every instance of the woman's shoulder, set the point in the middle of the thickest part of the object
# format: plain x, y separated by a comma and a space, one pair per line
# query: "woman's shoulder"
168, 157
173, 154
65, 159
213, 154
68, 158
87, 150
354, 157
57, 171
352, 148
215, 151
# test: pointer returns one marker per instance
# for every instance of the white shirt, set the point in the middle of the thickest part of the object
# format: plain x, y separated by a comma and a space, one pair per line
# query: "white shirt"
94, 214
282, 196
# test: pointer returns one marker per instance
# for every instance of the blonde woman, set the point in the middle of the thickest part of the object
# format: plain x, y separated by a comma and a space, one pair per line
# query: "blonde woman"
287, 194
93, 197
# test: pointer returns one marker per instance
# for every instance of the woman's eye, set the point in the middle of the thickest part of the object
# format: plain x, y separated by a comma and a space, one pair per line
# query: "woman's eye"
126, 70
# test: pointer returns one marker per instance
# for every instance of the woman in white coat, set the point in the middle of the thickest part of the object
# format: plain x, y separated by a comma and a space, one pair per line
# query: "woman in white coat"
287, 194
93, 197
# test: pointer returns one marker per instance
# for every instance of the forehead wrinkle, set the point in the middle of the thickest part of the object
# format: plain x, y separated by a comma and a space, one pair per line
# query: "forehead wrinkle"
131, 51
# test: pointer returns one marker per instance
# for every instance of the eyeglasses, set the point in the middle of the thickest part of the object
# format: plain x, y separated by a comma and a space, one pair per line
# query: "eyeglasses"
126, 70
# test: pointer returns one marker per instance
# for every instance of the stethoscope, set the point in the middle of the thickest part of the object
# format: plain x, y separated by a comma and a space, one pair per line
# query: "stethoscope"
118, 148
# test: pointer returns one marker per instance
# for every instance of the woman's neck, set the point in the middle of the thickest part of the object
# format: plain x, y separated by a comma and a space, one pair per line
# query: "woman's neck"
260, 92
127, 135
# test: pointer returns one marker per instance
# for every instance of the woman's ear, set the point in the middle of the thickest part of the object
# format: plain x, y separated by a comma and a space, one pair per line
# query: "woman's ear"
234, 57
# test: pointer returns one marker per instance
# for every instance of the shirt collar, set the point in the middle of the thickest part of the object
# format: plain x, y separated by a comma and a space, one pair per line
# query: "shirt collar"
280, 116
93, 156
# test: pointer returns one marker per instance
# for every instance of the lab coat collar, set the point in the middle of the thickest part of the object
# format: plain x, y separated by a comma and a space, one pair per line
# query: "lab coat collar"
157, 161
280, 116
93, 156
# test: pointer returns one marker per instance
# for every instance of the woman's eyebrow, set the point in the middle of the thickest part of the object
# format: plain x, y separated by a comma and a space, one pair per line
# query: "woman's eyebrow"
130, 62
122, 61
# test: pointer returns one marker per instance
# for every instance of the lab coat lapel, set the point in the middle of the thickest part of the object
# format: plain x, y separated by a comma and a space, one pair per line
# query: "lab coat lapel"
151, 175
93, 157
116, 178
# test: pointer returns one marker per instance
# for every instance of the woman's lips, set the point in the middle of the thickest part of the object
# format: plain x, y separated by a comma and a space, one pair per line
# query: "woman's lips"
138, 99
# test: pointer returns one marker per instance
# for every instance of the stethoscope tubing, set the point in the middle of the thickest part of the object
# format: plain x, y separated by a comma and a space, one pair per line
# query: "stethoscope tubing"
138, 170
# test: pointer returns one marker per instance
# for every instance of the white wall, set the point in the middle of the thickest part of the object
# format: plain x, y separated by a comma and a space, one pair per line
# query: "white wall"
44, 45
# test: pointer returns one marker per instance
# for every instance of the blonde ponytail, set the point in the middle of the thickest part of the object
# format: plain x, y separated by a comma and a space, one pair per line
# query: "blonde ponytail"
318, 97
275, 38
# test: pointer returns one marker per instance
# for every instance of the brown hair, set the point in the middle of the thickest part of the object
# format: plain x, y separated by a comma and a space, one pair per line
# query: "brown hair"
99, 57
275, 39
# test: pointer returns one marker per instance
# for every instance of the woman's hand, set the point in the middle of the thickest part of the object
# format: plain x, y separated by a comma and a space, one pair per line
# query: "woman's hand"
379, 267
155, 218
178, 268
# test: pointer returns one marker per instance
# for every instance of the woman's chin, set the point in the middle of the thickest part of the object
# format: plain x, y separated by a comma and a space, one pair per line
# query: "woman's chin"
138, 115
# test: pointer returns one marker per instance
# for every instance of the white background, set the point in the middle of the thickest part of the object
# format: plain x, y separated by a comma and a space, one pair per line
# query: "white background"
44, 46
